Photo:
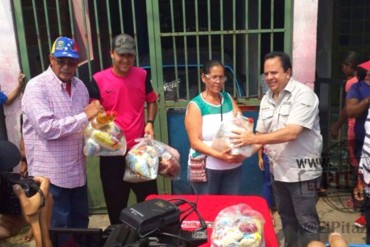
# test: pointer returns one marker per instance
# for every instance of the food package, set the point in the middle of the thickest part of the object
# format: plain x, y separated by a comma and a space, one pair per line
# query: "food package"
238, 225
149, 158
141, 163
169, 160
222, 140
103, 137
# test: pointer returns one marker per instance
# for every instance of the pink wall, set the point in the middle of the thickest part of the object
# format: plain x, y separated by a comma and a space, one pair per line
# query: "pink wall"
304, 41
9, 70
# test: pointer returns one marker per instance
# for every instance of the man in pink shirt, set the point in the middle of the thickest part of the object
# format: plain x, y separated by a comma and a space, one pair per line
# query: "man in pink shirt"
125, 89
56, 111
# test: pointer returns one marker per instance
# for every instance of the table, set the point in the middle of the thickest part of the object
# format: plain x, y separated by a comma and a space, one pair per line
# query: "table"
210, 205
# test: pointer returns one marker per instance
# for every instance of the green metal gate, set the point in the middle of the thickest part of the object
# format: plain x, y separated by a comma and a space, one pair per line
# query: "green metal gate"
174, 38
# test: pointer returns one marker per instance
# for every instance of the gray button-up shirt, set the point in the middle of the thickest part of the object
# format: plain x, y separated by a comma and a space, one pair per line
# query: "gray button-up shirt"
297, 160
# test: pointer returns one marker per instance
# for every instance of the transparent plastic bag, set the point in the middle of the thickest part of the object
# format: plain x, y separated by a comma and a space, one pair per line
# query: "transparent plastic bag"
222, 141
169, 160
238, 225
149, 158
141, 162
103, 137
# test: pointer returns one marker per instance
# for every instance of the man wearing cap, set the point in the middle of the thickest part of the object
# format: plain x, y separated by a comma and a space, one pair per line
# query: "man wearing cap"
56, 111
125, 89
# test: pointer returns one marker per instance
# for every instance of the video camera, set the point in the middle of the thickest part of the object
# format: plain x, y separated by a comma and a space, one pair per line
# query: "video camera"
155, 222
9, 158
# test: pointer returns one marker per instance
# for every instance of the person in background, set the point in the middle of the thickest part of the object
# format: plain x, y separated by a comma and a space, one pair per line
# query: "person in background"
349, 69
56, 111
125, 89
289, 128
362, 190
357, 104
8, 99
203, 117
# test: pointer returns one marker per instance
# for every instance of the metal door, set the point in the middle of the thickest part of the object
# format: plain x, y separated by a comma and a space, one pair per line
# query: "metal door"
174, 38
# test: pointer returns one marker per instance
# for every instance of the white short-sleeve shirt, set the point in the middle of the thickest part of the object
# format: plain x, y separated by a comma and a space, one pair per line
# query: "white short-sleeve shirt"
297, 160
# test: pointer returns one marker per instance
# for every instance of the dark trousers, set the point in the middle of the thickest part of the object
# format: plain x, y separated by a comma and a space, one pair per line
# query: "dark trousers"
116, 191
366, 211
70, 208
296, 204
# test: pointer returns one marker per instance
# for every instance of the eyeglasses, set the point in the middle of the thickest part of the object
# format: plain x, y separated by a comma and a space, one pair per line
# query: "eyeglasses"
69, 62
215, 78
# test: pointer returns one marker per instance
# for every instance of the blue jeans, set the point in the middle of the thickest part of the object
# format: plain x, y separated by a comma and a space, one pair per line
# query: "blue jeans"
267, 187
220, 182
70, 207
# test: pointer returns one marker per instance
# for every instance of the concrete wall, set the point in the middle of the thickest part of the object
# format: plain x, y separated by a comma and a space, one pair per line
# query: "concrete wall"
9, 69
304, 40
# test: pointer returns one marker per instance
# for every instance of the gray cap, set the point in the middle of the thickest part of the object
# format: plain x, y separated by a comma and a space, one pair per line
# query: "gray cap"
124, 44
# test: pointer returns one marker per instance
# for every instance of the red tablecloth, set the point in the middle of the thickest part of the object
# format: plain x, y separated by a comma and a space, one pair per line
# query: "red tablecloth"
210, 205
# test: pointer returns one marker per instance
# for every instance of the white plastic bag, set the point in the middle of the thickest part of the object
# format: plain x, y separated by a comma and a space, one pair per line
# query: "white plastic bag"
222, 141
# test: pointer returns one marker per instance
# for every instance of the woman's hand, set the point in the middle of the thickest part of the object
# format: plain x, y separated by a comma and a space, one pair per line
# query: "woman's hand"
231, 158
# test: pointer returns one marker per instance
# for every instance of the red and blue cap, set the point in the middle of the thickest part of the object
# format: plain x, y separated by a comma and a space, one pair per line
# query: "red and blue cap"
65, 47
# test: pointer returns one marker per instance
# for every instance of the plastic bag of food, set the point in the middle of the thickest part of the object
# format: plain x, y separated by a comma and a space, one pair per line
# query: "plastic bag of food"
169, 160
103, 137
141, 162
238, 225
149, 158
222, 141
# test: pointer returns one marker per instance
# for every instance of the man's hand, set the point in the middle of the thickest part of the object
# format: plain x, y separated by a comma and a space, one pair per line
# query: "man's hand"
242, 138
92, 109
149, 130
261, 164
358, 192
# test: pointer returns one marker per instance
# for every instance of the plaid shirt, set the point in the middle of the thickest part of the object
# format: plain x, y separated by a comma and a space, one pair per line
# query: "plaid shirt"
53, 129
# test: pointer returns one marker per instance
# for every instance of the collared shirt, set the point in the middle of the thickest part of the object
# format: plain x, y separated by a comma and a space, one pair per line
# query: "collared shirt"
53, 129
297, 160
